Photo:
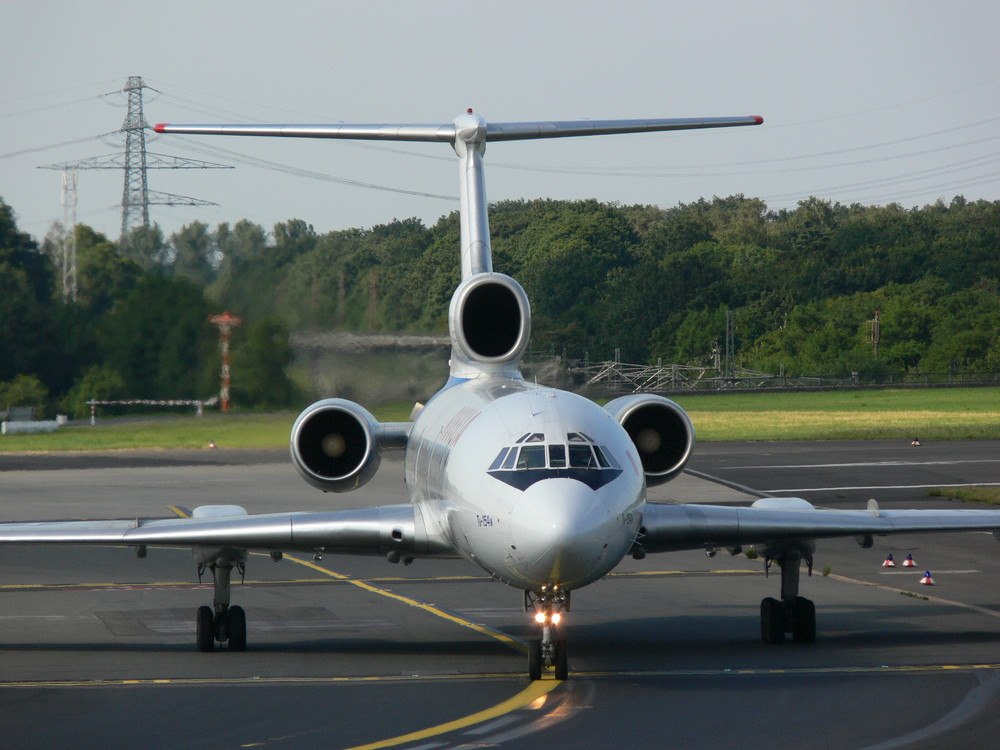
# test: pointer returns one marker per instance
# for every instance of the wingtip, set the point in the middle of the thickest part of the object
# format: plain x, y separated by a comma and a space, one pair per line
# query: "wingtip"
756, 118
160, 127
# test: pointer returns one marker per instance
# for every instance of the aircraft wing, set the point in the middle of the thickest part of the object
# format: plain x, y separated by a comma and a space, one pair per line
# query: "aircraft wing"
777, 520
375, 531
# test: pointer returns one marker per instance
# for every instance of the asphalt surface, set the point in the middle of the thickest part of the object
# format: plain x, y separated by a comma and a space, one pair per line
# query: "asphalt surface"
97, 647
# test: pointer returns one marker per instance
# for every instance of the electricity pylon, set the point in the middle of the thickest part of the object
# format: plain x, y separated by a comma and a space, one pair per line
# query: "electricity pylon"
135, 161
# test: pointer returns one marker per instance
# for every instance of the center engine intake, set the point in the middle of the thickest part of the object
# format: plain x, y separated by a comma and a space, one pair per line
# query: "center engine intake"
490, 322
661, 430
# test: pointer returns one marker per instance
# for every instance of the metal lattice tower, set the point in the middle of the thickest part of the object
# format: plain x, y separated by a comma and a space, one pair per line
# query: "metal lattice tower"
68, 259
135, 197
136, 160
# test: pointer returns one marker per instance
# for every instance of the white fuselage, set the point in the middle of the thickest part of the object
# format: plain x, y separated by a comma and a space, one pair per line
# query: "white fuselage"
536, 486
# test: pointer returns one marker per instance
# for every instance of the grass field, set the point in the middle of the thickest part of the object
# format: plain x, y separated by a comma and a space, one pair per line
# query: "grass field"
927, 413
983, 494
930, 414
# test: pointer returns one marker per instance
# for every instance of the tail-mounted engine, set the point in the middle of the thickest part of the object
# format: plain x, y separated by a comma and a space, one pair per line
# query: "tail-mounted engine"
336, 445
490, 322
661, 430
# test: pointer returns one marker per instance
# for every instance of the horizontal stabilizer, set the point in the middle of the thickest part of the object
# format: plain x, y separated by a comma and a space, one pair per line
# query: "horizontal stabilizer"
446, 133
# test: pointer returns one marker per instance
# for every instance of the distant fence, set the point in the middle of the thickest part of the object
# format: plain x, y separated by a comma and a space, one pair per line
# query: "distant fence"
199, 404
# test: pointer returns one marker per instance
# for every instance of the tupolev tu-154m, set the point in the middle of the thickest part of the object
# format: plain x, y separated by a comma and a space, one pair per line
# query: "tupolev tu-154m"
541, 488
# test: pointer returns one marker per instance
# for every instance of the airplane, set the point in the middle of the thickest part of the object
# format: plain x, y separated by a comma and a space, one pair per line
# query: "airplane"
541, 488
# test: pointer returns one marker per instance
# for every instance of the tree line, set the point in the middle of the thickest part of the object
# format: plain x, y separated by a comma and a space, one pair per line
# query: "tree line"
137, 329
801, 287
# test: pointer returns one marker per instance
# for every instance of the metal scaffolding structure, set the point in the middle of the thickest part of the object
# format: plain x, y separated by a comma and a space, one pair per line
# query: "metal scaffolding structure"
621, 378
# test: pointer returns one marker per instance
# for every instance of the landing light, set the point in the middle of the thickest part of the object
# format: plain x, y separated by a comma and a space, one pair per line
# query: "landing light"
555, 618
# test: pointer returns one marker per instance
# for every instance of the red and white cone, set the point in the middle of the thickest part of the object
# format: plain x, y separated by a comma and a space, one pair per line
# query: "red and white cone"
889, 562
909, 562
927, 580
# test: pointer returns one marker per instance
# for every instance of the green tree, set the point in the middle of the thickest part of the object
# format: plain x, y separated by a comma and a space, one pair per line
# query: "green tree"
145, 246
259, 359
159, 341
194, 253
25, 390
98, 383
104, 275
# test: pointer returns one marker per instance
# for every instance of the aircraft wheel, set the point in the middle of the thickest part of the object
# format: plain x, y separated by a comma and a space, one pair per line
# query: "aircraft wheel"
562, 664
804, 626
237, 629
772, 629
535, 660
206, 629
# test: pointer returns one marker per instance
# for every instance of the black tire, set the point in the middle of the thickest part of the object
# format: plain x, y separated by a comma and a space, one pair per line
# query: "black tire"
772, 629
804, 627
535, 660
237, 629
206, 629
562, 662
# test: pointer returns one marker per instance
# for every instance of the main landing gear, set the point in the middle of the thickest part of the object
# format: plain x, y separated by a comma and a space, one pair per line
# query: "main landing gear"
222, 623
549, 649
794, 614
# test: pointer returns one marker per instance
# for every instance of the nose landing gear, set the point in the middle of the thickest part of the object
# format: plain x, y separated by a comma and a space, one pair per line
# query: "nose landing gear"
549, 649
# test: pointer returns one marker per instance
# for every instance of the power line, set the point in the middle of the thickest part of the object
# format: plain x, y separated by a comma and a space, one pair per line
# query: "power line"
56, 145
252, 161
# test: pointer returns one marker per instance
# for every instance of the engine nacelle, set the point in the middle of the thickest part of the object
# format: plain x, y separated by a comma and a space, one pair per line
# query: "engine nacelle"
490, 323
335, 445
661, 431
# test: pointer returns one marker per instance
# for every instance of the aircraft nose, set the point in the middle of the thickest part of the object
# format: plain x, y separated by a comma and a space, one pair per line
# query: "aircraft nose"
559, 532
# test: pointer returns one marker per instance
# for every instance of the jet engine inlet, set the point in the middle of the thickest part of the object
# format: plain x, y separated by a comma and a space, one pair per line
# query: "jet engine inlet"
661, 431
490, 320
333, 445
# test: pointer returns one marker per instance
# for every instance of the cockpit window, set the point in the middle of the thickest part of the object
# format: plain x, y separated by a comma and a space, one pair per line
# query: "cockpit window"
499, 459
579, 452
605, 458
557, 456
580, 457
511, 457
532, 457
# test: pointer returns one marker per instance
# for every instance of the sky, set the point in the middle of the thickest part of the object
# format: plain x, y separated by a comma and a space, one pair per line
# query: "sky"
869, 102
